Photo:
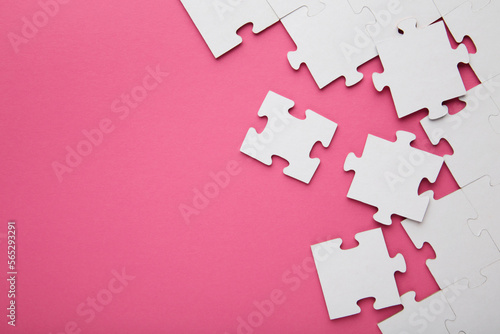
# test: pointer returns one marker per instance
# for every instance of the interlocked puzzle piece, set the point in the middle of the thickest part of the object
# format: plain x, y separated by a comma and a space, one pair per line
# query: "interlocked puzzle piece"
284, 7
426, 316
469, 132
483, 28
333, 43
346, 276
421, 69
485, 199
388, 176
288, 137
219, 20
459, 253
390, 13
476, 309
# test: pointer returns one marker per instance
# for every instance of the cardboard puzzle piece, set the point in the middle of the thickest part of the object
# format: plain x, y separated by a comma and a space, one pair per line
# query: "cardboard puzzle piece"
446, 6
482, 27
469, 132
388, 175
459, 253
389, 13
347, 276
284, 7
485, 199
288, 137
219, 20
476, 309
426, 316
333, 43
420, 68
494, 89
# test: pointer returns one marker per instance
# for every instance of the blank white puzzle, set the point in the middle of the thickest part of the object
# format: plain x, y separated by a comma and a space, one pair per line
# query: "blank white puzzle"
284, 7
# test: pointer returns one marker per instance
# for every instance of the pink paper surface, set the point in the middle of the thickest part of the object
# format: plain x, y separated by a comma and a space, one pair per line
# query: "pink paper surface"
118, 208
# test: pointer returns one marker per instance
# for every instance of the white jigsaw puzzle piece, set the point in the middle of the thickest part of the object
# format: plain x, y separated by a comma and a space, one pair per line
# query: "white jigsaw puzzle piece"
426, 316
284, 7
476, 309
332, 43
347, 276
388, 175
483, 28
471, 135
485, 199
288, 137
420, 68
389, 13
459, 253
219, 20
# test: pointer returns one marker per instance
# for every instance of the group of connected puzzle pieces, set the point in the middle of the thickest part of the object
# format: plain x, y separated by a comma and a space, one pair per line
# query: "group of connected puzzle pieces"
334, 38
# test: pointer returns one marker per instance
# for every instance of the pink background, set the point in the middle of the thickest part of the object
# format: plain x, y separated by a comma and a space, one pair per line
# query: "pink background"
120, 207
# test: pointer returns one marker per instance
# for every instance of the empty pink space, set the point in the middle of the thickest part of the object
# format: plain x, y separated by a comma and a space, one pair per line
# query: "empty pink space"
115, 116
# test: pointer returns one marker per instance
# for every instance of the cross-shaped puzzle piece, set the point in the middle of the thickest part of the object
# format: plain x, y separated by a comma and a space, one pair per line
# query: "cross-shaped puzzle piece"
288, 137
219, 20
388, 176
284, 7
346, 276
421, 69
459, 253
332, 43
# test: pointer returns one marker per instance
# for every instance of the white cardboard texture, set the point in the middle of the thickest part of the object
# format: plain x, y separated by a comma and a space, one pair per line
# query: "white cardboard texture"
446, 6
469, 132
459, 253
390, 13
476, 309
427, 316
218, 21
420, 68
347, 276
284, 7
332, 43
485, 199
388, 175
288, 137
483, 28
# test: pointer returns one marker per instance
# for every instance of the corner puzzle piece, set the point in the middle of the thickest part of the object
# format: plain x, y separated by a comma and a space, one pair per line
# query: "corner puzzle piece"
426, 316
483, 28
421, 69
219, 20
288, 137
390, 13
284, 7
459, 253
485, 199
388, 176
446, 6
332, 43
469, 132
347, 276
476, 309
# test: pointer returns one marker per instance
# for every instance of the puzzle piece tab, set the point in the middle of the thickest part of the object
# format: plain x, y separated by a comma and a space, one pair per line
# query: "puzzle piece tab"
347, 276
284, 7
469, 132
421, 69
388, 176
332, 43
288, 137
459, 253
219, 20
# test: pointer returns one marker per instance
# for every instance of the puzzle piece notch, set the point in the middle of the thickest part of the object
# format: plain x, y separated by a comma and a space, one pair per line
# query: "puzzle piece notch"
459, 253
332, 44
471, 135
420, 68
482, 27
219, 20
284, 7
388, 175
347, 276
427, 316
288, 137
